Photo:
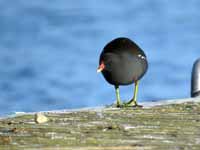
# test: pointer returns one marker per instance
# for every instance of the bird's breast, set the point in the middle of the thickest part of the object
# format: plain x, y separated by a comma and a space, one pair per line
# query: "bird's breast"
126, 71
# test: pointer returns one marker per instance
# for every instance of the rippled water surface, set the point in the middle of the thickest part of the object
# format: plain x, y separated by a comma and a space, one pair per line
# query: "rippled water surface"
49, 50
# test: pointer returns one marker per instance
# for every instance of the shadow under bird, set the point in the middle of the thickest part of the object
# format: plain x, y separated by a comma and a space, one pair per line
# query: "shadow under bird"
123, 62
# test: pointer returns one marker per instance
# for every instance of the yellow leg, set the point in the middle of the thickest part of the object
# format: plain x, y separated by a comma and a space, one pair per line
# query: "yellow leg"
133, 101
118, 102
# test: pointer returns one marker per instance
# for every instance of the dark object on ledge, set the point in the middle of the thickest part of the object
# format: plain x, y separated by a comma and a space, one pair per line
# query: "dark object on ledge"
122, 62
195, 80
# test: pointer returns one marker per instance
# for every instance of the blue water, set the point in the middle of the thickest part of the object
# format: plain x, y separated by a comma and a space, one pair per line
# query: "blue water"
49, 50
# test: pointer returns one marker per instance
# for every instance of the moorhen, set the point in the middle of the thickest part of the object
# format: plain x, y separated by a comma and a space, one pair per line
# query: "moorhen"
122, 62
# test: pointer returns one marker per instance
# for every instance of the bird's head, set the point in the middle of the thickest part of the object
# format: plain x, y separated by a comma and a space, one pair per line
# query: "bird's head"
108, 61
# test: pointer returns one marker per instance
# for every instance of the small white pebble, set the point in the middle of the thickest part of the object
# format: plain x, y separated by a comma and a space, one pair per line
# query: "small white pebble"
128, 127
40, 118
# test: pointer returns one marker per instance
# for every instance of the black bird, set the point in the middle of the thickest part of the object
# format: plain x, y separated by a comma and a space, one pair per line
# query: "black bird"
123, 62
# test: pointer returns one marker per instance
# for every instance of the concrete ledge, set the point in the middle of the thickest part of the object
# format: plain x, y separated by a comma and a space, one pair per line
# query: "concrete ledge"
171, 101
168, 124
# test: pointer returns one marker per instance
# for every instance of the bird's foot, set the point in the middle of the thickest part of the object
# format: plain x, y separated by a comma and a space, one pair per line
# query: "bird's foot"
115, 105
119, 105
132, 103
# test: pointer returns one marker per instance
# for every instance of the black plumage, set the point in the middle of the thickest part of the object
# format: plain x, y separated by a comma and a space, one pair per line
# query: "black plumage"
123, 62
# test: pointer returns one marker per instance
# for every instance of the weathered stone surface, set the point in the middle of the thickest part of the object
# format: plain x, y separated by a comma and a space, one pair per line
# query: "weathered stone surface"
171, 126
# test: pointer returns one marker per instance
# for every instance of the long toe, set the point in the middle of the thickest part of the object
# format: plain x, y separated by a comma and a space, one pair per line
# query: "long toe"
132, 103
137, 106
